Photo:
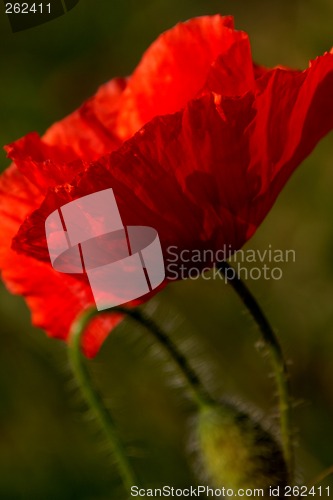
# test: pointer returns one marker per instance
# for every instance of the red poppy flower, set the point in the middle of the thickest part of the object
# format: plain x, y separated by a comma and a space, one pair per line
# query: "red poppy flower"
197, 144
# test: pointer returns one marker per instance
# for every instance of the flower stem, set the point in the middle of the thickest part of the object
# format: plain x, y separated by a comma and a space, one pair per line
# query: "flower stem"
278, 362
200, 394
95, 401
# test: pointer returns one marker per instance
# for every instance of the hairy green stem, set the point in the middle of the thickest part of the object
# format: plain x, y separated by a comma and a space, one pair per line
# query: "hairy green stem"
201, 396
277, 358
95, 401
199, 393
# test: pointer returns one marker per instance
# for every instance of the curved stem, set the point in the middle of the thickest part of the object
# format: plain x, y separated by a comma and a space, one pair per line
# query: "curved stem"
95, 401
278, 362
201, 396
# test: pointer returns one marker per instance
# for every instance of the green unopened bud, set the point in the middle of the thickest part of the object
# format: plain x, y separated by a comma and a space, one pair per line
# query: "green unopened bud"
236, 452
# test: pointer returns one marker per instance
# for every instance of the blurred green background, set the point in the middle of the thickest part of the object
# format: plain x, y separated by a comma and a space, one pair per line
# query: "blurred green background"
47, 450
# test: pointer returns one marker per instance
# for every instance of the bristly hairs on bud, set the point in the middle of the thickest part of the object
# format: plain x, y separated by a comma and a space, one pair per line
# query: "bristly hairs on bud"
235, 450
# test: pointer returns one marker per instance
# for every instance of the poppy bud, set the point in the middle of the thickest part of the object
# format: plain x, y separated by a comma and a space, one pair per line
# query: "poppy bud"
236, 452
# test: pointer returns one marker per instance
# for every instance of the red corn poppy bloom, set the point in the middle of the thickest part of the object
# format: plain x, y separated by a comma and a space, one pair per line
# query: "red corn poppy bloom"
197, 144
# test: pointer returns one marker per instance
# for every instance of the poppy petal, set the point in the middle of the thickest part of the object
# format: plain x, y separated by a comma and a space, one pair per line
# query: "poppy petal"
294, 111
174, 70
54, 299
90, 132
